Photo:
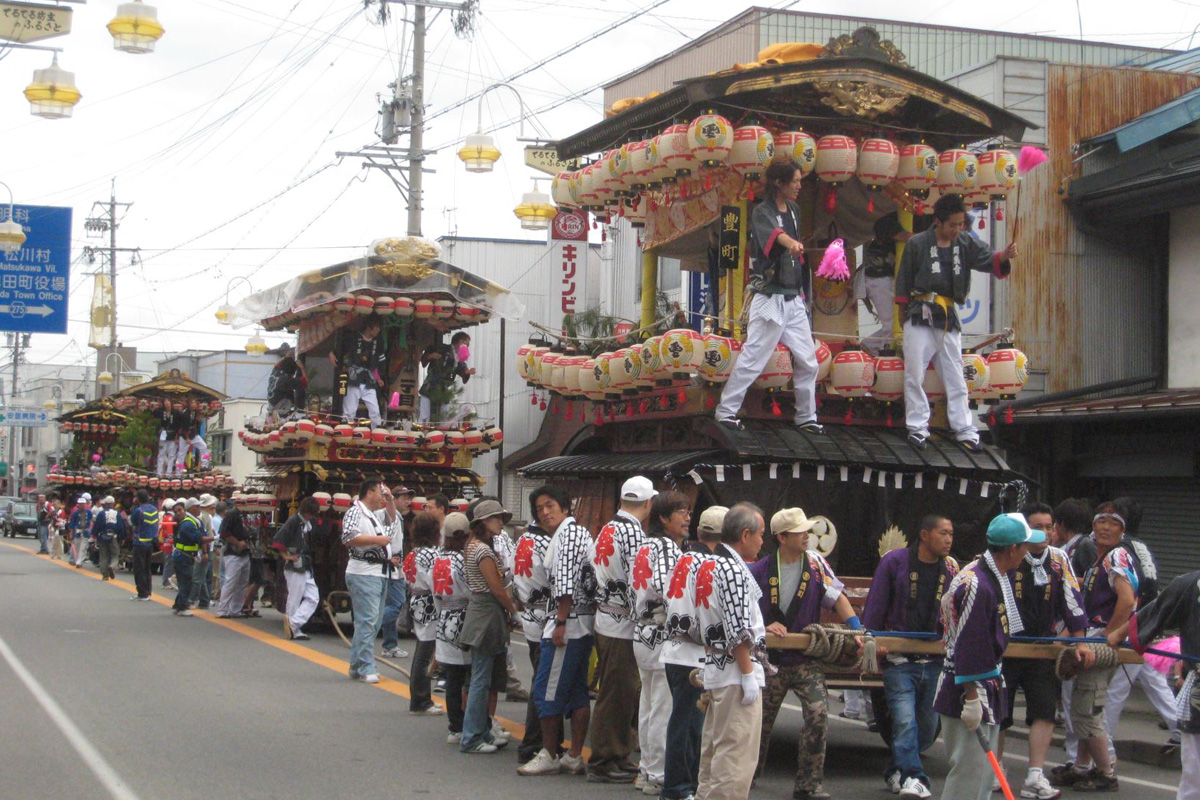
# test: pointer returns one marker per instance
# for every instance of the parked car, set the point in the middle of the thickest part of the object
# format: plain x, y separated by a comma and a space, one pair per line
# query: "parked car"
20, 519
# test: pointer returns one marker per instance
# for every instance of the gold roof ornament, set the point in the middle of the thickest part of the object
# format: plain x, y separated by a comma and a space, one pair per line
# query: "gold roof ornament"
405, 257
864, 43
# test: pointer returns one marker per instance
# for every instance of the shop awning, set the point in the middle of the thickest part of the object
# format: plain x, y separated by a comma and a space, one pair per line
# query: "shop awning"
621, 464
1145, 405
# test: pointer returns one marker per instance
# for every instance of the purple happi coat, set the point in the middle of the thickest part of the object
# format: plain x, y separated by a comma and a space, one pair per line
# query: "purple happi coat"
976, 623
819, 588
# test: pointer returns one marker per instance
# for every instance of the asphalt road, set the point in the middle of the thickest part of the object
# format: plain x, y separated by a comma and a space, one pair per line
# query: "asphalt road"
103, 697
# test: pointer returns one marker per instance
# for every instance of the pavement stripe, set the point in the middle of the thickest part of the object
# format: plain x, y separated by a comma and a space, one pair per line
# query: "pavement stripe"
396, 687
103, 771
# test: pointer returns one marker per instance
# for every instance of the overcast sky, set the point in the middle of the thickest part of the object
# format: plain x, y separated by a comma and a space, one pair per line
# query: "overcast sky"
243, 100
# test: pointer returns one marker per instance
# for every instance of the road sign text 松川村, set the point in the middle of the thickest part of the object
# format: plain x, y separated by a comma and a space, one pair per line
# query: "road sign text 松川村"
35, 280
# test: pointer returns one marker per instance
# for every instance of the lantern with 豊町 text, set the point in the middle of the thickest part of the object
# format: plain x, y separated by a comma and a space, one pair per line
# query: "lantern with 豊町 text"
958, 171
720, 355
852, 373
889, 378
878, 163
997, 173
658, 170
918, 167
797, 147
753, 149
586, 194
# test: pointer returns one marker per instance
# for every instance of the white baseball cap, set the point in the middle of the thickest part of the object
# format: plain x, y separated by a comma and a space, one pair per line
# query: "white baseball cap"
637, 490
85, 496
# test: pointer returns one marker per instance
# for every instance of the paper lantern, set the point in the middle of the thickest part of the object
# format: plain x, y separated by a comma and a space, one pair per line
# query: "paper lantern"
676, 152
324, 499
720, 356
918, 167
342, 502
602, 373
997, 173
454, 440
975, 372
878, 163
364, 304
443, 309
777, 374
432, 440
957, 172
1008, 371
472, 439
753, 149
620, 371
889, 379
588, 383
653, 370
602, 180
837, 157
636, 165
546, 376
681, 352
797, 147
934, 388
404, 307
464, 312
658, 171
572, 365
824, 360
381, 437
562, 190
710, 138
493, 437
345, 304
534, 363
523, 361
423, 308
385, 306
613, 176
586, 193
852, 373
288, 432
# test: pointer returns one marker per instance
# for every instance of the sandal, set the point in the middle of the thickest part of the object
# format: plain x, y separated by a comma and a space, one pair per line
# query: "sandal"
250, 612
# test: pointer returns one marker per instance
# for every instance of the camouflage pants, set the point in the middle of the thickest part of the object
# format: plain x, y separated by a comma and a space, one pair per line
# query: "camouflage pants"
808, 682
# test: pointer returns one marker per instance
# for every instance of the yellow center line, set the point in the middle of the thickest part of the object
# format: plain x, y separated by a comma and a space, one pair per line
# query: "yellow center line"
390, 685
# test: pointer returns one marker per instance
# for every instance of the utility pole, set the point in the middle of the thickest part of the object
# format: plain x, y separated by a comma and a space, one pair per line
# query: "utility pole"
416, 135
105, 219
112, 260
19, 342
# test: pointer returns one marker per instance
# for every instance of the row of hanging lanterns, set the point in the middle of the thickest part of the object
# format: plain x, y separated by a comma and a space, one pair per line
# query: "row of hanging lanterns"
444, 309
91, 430
53, 93
299, 433
671, 360
621, 176
200, 408
131, 479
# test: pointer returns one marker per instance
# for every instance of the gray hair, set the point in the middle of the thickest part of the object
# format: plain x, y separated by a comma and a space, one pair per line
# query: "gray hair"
741, 516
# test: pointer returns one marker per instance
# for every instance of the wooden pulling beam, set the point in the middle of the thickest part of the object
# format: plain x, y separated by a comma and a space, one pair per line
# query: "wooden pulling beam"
898, 645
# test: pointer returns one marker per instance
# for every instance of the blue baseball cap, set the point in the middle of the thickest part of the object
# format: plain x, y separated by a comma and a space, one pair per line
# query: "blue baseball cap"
1008, 529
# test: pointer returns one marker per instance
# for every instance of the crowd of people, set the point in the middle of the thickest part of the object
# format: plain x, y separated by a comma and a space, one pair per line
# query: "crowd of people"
642, 639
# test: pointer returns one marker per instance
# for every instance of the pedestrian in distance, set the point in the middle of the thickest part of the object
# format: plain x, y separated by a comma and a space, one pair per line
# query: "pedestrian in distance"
144, 521
109, 529
424, 533
371, 530
235, 564
293, 545
397, 591
80, 524
189, 539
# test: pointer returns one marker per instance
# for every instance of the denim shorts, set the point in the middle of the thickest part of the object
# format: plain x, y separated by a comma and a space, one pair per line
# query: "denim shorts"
561, 683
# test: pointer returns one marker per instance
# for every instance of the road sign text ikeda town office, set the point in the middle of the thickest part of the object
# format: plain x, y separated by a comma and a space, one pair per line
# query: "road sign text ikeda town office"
35, 280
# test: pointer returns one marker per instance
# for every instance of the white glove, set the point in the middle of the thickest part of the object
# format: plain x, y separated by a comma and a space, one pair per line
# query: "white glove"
972, 713
750, 689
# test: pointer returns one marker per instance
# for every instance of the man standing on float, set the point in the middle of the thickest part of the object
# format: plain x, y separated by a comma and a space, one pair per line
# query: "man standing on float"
777, 311
934, 276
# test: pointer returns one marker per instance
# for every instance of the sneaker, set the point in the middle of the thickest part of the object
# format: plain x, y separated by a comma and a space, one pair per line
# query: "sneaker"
300, 636
184, 613
454, 738
395, 652
1097, 781
639, 781
652, 788
517, 696
812, 426
134, 597
483, 748
432, 711
572, 765
610, 775
848, 715
542, 764
894, 782
1039, 789
917, 441
439, 687
731, 423
971, 445
498, 732
1065, 775
371, 678
912, 787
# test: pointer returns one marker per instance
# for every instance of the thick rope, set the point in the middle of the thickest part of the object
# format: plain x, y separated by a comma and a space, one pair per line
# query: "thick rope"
837, 646
1067, 663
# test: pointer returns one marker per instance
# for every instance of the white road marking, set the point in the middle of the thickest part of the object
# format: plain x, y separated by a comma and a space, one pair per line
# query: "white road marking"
103, 771
1165, 787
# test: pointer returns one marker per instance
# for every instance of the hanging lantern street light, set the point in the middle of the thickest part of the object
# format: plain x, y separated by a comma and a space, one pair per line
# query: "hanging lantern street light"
136, 28
224, 314
12, 235
536, 212
479, 151
256, 346
53, 93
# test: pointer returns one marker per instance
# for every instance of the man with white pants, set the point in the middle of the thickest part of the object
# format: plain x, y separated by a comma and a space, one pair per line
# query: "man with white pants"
235, 564
934, 276
291, 540
777, 312
364, 359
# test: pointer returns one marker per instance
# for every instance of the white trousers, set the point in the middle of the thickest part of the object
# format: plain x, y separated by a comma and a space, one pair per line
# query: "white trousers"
654, 709
774, 320
858, 704
79, 549
1154, 684
166, 455
1189, 779
970, 773
882, 294
198, 444
923, 344
302, 597
236, 571
424, 409
367, 395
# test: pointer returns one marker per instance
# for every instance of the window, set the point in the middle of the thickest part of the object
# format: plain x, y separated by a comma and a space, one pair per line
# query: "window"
219, 444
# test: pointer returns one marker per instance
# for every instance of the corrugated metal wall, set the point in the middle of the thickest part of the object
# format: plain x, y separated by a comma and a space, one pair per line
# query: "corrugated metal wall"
1082, 307
1171, 525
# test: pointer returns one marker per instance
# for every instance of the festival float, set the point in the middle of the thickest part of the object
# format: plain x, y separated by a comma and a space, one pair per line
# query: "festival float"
684, 166
312, 450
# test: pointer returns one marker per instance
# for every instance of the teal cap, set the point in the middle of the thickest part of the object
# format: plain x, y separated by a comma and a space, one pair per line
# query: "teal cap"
1008, 529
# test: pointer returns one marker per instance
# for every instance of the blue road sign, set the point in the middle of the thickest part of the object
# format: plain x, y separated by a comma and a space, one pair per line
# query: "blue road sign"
35, 280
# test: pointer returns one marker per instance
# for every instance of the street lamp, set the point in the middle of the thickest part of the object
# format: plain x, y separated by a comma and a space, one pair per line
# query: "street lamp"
53, 93
225, 312
56, 393
106, 377
12, 235
479, 152
256, 346
136, 28
536, 212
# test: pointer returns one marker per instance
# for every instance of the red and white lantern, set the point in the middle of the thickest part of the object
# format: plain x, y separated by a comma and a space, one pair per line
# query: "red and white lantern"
878, 163
797, 147
1008, 371
423, 308
385, 306
586, 193
404, 307
824, 360
753, 149
918, 167
958, 172
997, 173
562, 190
588, 384
636, 165
837, 157
443, 310
720, 356
681, 351
676, 152
889, 379
853, 373
777, 374
710, 138
975, 372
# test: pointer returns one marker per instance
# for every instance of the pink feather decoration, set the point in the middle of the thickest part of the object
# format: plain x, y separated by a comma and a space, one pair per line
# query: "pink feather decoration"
1163, 664
833, 263
1030, 159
